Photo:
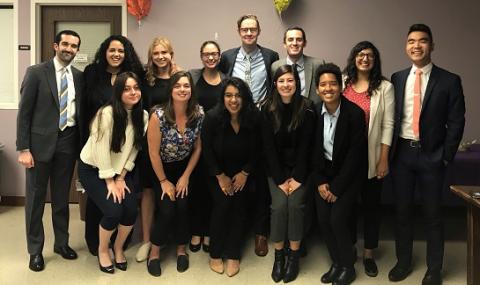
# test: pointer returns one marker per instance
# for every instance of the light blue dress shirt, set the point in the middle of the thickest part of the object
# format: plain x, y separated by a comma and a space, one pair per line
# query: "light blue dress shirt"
329, 127
251, 68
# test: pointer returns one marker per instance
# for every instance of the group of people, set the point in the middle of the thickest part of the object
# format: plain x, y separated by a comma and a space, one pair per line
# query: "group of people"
248, 140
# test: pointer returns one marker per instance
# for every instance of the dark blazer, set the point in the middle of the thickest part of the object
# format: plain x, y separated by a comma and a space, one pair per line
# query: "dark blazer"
212, 135
349, 159
227, 62
302, 142
39, 110
442, 118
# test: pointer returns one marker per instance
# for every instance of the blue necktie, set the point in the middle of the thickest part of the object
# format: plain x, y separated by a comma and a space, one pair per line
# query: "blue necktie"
63, 99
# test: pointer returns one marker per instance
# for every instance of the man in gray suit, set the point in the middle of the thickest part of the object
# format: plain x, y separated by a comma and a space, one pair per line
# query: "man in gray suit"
47, 141
294, 41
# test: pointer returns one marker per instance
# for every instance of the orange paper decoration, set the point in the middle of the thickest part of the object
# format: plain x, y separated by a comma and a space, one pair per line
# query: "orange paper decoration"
139, 8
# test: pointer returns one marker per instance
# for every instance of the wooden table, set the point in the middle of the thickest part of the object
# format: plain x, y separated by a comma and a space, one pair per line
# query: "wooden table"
473, 227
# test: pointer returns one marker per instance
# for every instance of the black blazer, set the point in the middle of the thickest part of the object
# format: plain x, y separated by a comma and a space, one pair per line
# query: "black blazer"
212, 135
442, 118
227, 62
350, 153
39, 110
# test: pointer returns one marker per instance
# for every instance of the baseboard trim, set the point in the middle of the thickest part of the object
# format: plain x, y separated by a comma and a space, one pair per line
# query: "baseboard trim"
12, 201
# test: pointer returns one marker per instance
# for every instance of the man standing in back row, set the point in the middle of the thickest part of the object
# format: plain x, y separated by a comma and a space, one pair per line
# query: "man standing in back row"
252, 63
48, 142
429, 122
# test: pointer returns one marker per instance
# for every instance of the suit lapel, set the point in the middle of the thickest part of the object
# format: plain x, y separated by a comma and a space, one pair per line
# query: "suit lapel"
339, 131
401, 90
374, 102
52, 81
308, 69
432, 80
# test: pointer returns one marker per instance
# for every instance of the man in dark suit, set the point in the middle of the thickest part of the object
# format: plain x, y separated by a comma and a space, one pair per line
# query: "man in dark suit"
339, 165
47, 141
294, 41
429, 122
252, 62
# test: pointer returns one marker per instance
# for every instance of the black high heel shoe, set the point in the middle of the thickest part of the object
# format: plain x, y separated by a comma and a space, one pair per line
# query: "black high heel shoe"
107, 269
121, 265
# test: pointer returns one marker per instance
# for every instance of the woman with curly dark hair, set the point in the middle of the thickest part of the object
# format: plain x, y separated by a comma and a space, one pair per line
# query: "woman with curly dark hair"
287, 130
107, 160
115, 55
230, 136
367, 87
174, 147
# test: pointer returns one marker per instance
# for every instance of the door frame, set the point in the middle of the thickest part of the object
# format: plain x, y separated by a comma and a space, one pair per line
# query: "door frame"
35, 24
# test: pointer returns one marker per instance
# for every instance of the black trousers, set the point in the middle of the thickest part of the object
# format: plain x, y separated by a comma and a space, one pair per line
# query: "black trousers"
259, 201
333, 219
228, 219
200, 201
413, 170
171, 216
371, 195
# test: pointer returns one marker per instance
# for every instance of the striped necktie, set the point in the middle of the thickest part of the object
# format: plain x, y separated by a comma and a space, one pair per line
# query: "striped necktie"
63, 99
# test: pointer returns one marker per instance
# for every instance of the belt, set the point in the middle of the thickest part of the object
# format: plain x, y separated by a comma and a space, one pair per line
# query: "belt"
411, 143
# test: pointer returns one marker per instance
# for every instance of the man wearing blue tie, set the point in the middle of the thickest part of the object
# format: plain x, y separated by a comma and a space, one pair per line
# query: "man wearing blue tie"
47, 142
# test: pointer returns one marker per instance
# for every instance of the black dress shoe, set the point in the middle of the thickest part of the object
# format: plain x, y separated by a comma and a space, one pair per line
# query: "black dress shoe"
66, 252
399, 273
331, 274
432, 277
153, 267
346, 277
370, 267
278, 270
107, 269
121, 265
194, 247
36, 262
182, 263
292, 266
206, 247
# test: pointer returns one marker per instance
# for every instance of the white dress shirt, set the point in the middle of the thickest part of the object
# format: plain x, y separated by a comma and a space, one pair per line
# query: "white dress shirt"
71, 90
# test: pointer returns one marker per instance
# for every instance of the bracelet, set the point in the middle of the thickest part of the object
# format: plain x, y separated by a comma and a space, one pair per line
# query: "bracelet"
163, 180
244, 173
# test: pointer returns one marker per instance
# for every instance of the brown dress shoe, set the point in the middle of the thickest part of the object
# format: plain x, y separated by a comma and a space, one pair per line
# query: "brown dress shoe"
261, 246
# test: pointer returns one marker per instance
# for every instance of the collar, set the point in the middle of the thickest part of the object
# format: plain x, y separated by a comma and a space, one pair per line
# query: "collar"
58, 66
300, 62
252, 55
426, 69
337, 112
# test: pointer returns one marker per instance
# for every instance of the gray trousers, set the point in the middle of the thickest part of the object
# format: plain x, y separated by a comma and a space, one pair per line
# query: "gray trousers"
58, 171
287, 213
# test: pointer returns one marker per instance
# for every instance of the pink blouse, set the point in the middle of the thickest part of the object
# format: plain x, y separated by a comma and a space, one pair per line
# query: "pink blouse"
362, 100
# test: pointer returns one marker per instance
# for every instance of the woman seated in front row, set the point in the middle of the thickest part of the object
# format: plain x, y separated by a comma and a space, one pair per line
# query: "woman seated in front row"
106, 161
174, 147
340, 166
287, 129
230, 136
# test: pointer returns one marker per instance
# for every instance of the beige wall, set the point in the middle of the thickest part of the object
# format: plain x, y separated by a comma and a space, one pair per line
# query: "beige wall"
332, 26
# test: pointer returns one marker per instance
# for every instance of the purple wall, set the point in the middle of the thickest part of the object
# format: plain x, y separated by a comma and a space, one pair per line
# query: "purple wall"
332, 28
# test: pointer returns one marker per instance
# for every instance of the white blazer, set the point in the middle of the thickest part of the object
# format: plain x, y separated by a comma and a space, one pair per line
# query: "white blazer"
380, 124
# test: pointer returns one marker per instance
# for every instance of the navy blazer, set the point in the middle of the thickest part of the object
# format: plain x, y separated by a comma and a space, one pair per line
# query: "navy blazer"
349, 159
227, 62
442, 118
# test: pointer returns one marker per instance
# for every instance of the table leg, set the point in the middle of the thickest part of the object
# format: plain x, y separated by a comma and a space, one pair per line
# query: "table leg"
473, 245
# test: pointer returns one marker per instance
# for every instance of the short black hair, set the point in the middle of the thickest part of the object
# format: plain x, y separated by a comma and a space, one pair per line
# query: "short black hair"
58, 37
421, 28
328, 68
294, 28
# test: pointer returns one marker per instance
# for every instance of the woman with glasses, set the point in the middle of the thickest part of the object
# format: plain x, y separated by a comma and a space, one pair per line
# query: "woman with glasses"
159, 69
370, 90
287, 129
208, 89
230, 136
174, 148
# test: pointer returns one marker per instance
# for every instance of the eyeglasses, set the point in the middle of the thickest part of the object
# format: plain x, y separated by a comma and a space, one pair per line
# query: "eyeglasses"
361, 55
252, 30
207, 55
230, 96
